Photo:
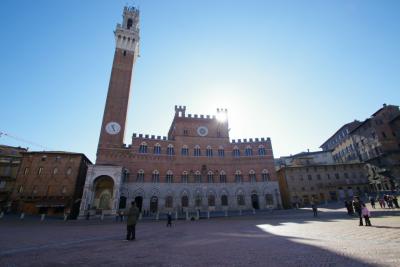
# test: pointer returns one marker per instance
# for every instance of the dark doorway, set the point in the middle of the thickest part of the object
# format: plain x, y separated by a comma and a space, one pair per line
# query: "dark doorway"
75, 210
254, 201
185, 202
139, 202
224, 200
153, 204
122, 202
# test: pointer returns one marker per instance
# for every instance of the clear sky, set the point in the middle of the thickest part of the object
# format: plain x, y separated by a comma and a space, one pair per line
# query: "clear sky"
294, 71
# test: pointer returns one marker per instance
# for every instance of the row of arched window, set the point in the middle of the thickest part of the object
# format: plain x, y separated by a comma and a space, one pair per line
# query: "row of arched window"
209, 152
197, 177
211, 200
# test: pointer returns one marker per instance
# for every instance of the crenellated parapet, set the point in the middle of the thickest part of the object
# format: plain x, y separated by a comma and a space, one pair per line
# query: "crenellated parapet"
136, 136
251, 141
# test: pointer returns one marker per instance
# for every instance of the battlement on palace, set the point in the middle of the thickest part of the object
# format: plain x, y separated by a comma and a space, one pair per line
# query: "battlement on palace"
180, 112
149, 137
251, 140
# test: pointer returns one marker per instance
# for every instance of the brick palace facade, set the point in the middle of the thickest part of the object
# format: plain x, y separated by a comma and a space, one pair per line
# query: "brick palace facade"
195, 168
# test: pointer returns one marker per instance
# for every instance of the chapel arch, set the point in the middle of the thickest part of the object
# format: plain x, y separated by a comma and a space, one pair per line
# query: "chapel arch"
103, 192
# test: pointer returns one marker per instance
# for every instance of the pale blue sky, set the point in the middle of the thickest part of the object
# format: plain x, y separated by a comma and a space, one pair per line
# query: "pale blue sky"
294, 71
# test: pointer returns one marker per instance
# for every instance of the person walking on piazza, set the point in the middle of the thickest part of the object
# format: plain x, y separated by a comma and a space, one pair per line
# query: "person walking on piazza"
169, 219
349, 207
372, 200
366, 214
133, 215
357, 207
385, 198
395, 202
382, 202
314, 208
390, 201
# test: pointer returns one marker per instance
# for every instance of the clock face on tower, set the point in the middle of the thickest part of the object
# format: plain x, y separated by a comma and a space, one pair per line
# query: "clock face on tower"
202, 131
113, 128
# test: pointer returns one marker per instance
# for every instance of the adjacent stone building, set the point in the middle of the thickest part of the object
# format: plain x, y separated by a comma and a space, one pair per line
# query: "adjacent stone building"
375, 142
299, 184
10, 159
195, 168
342, 145
50, 182
378, 146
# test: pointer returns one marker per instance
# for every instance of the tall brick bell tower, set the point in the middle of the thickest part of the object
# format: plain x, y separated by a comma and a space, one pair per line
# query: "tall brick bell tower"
115, 112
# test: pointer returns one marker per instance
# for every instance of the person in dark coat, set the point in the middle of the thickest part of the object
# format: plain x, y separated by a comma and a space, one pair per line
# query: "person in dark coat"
357, 207
372, 202
314, 208
395, 202
346, 204
132, 216
169, 219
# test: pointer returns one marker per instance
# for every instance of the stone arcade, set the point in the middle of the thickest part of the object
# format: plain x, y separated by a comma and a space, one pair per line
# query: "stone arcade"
196, 168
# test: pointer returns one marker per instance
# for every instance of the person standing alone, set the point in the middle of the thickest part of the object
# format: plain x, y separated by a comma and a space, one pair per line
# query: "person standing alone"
357, 207
314, 208
169, 219
132, 215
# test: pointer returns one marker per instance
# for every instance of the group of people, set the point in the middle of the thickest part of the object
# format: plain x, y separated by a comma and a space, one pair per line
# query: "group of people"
357, 206
386, 200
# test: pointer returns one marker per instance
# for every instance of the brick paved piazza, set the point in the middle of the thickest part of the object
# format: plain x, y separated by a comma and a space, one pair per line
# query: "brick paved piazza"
284, 238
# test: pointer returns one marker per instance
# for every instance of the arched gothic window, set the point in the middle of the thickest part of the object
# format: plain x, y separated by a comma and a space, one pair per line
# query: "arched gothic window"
143, 147
155, 177
197, 151
224, 200
169, 178
238, 177
221, 152
197, 177
198, 200
261, 150
210, 177
222, 177
252, 176
185, 151
236, 152
157, 149
169, 201
240, 199
185, 177
209, 152
170, 150
211, 200
185, 201
248, 151
269, 199
140, 176
265, 175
